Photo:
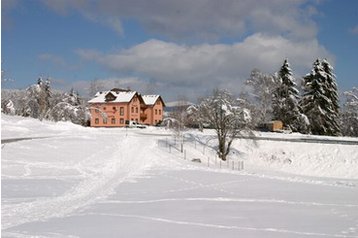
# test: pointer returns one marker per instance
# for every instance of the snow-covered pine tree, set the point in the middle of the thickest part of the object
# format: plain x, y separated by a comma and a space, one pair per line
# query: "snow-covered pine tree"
331, 84
285, 101
319, 102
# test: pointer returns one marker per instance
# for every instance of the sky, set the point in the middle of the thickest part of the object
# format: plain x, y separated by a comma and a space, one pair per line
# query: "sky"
178, 49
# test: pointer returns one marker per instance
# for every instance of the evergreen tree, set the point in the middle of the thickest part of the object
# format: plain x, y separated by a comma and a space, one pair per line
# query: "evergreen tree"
285, 100
320, 99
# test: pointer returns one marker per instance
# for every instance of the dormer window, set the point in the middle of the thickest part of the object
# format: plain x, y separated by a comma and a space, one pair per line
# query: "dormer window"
110, 97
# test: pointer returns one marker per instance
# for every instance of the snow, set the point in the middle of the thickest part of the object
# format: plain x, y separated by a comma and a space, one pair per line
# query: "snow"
120, 96
150, 99
99, 182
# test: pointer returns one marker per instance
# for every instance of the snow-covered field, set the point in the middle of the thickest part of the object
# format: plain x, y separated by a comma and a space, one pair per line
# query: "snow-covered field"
84, 182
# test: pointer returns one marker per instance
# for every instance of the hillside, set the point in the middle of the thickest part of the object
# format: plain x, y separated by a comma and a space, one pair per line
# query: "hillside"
71, 181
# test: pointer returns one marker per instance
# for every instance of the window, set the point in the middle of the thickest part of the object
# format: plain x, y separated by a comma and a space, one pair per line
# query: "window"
104, 120
113, 121
114, 108
136, 109
121, 111
121, 121
160, 112
104, 108
132, 109
96, 110
96, 121
156, 111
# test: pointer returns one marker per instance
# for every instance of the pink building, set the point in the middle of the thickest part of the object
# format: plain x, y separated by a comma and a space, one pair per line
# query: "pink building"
113, 108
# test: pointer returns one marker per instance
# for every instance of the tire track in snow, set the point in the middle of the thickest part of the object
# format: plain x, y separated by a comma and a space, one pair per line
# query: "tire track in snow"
103, 171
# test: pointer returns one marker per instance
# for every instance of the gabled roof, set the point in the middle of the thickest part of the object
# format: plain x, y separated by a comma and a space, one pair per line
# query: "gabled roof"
151, 99
119, 96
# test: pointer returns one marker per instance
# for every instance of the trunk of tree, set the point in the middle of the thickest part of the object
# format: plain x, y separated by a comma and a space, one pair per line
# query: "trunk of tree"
222, 147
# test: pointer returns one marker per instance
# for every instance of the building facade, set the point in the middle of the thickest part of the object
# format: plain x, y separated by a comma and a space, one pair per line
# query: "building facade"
116, 107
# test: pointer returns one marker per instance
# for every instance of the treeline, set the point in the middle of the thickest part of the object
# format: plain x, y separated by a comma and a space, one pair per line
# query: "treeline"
312, 108
41, 102
310, 105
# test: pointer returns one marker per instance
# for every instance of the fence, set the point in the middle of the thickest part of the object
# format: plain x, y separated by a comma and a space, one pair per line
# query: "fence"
197, 151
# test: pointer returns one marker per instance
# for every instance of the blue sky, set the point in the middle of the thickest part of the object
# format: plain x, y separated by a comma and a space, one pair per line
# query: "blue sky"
173, 48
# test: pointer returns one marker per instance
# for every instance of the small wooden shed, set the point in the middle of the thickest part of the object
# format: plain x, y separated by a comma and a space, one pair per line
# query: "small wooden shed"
274, 125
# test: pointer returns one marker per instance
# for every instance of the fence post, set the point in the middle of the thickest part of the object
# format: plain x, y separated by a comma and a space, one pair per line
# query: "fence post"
220, 164
233, 165
170, 149
184, 154
208, 161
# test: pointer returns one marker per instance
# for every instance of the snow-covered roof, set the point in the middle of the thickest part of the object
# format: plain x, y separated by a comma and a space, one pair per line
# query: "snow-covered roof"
121, 96
150, 99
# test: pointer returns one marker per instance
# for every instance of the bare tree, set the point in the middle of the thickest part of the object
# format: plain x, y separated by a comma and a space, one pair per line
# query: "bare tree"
95, 86
180, 114
223, 113
261, 91
349, 115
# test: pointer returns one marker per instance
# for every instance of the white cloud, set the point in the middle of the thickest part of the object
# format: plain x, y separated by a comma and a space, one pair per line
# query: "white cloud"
206, 19
175, 68
278, 29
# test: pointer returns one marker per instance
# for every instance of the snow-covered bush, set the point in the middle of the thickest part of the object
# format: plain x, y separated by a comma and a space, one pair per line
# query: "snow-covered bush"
39, 101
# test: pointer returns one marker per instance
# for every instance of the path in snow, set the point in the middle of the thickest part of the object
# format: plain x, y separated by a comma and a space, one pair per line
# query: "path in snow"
112, 162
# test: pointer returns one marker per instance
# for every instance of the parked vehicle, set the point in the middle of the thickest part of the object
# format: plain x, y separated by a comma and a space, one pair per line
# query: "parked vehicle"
134, 124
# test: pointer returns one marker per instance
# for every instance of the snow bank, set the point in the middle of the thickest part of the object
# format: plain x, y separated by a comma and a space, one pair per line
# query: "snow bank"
23, 127
301, 158
310, 159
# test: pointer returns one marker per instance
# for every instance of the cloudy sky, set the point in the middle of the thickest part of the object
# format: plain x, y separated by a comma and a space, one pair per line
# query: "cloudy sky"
176, 48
